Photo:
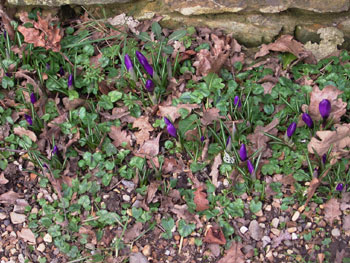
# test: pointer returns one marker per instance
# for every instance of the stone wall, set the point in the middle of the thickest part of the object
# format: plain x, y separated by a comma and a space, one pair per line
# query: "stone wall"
252, 22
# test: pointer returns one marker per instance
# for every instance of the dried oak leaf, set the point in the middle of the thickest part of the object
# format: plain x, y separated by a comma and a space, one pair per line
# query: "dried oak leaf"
118, 136
338, 139
151, 191
215, 236
286, 43
9, 197
22, 131
210, 115
330, 93
214, 170
150, 148
72, 104
145, 128
284, 235
259, 139
133, 232
172, 112
182, 213
332, 210
233, 254
200, 199
27, 235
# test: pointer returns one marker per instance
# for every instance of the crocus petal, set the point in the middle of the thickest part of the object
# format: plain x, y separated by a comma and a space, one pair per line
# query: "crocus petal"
149, 85
339, 187
202, 138
70, 80
237, 102
128, 62
143, 61
54, 150
324, 158
170, 127
307, 119
250, 167
32, 98
28, 119
243, 153
325, 108
61, 71
291, 129
167, 121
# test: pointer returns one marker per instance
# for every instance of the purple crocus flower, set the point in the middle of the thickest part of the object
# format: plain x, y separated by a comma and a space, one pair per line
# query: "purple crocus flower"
243, 153
228, 142
70, 80
149, 85
54, 150
28, 119
325, 108
250, 167
237, 102
128, 63
291, 129
307, 119
143, 61
61, 71
170, 127
324, 158
339, 187
5, 34
202, 138
32, 98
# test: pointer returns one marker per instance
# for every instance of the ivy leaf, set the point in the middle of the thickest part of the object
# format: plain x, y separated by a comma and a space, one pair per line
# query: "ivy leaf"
185, 229
255, 206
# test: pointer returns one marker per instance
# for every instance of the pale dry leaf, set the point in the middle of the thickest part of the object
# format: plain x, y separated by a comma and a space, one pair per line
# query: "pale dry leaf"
331, 93
133, 232
284, 235
27, 235
22, 131
255, 230
151, 191
200, 199
118, 136
123, 19
3, 180
346, 222
58, 120
233, 254
214, 249
339, 256
117, 113
172, 165
215, 236
145, 128
182, 213
72, 104
214, 174
332, 210
210, 115
338, 139
9, 197
90, 233
172, 112
150, 148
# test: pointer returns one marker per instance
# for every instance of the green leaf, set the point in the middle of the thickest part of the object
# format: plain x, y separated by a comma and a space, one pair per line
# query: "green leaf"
168, 223
235, 208
214, 82
144, 37
188, 124
185, 229
156, 29
177, 35
255, 206
137, 162
196, 167
115, 95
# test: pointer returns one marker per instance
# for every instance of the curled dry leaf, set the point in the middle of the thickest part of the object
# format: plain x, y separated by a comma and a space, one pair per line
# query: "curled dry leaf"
150, 148
259, 139
332, 210
284, 235
330, 93
210, 115
118, 136
214, 170
22, 131
338, 140
151, 191
233, 254
9, 197
133, 232
72, 104
200, 199
145, 128
172, 112
215, 236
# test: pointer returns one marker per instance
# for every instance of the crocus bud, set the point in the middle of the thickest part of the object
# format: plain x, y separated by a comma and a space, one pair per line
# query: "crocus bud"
70, 80
28, 119
307, 119
149, 85
5, 34
291, 129
325, 108
32, 98
228, 143
243, 153
250, 167
237, 102
54, 150
61, 71
170, 127
324, 158
202, 138
143, 61
128, 63
339, 187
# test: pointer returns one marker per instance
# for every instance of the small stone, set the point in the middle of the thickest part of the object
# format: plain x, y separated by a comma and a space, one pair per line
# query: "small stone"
167, 252
137, 258
2, 216
259, 213
146, 250
243, 229
135, 249
47, 238
21, 258
17, 218
13, 251
296, 216
336, 232
126, 198
34, 210
308, 225
275, 231
40, 195
255, 230
41, 247
292, 229
289, 251
268, 208
226, 182
13, 234
275, 222
266, 240
294, 236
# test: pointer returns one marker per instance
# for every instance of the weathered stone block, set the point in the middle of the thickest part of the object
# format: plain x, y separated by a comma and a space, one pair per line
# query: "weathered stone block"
64, 2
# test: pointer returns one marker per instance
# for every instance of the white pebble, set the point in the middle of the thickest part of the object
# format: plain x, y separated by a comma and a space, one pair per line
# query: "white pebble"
243, 229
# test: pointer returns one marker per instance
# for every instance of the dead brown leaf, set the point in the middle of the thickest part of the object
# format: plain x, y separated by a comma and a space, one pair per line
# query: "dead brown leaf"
22, 131
27, 235
200, 199
72, 104
172, 165
133, 232
210, 115
145, 128
338, 140
233, 254
259, 139
215, 236
182, 213
118, 136
284, 235
3, 180
339, 255
315, 182
172, 112
346, 222
9, 197
151, 191
117, 113
214, 174
332, 210
331, 93
58, 120
89, 232
150, 148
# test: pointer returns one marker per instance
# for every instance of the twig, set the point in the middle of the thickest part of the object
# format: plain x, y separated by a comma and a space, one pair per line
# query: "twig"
12, 150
